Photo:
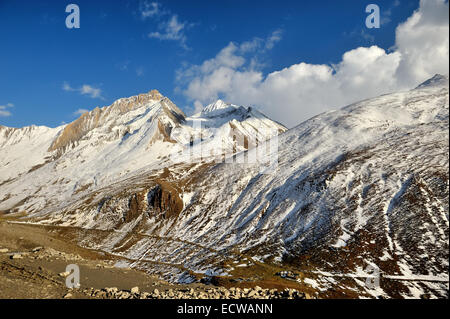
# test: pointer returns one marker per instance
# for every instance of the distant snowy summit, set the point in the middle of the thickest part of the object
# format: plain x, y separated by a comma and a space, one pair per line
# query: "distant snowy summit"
218, 108
435, 81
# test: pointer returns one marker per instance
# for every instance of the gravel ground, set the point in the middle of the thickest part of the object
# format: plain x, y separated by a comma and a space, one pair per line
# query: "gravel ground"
33, 264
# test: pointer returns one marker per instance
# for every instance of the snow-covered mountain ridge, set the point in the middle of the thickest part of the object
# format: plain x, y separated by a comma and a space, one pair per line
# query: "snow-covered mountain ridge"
43, 167
366, 185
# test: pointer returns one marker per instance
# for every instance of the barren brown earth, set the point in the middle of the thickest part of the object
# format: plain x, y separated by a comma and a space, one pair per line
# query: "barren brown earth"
33, 261
36, 274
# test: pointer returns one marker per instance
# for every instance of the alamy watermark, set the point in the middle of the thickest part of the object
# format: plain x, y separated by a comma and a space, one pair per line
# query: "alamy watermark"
73, 276
373, 278
73, 19
373, 19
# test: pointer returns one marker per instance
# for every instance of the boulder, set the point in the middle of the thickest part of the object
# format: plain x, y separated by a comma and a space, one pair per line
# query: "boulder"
135, 290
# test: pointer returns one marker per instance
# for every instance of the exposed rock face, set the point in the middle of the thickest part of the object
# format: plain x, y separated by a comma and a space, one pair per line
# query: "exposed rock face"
164, 202
97, 117
136, 205
160, 201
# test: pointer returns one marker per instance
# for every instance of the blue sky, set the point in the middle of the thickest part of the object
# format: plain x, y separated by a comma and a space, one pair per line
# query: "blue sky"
126, 47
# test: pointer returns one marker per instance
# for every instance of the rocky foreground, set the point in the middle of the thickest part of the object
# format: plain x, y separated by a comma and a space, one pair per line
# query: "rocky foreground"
184, 292
33, 264
208, 293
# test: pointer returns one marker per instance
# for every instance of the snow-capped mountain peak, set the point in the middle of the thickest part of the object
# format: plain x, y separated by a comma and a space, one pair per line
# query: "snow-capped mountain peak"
219, 104
109, 143
121, 112
218, 108
435, 81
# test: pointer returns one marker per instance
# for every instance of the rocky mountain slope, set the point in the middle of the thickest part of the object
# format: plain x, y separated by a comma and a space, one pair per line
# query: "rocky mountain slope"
363, 186
42, 168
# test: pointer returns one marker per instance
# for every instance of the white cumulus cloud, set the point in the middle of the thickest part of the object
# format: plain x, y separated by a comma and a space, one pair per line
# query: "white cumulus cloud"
302, 90
423, 42
91, 91
85, 89
80, 112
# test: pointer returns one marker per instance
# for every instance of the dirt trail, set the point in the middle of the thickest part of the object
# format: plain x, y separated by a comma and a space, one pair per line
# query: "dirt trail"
37, 273
33, 259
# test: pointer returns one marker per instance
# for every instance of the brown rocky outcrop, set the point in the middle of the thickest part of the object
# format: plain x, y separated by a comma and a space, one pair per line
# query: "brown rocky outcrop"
90, 120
